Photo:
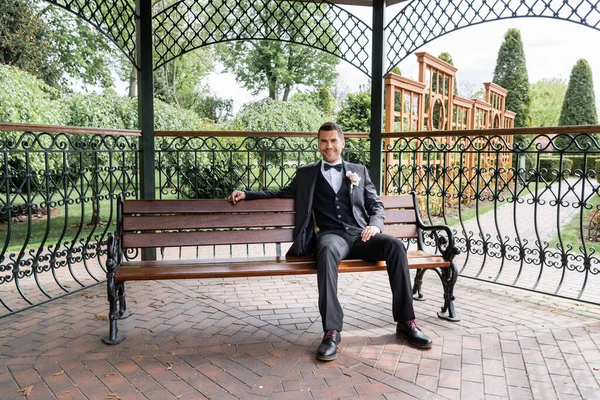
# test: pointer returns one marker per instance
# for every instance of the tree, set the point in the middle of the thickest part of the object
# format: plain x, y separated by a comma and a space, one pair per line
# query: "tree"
322, 99
25, 41
54, 45
547, 97
355, 114
511, 74
278, 67
444, 56
579, 105
396, 70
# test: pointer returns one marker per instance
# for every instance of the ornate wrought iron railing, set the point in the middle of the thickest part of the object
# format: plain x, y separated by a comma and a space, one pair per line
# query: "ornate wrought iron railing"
57, 192
525, 216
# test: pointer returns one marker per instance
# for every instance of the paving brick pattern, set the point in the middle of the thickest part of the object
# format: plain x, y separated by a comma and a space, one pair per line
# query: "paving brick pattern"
254, 338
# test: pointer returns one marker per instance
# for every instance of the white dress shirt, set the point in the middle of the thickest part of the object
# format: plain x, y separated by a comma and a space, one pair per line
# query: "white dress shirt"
333, 176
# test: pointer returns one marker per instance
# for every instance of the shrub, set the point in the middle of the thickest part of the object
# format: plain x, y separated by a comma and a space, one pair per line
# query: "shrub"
550, 166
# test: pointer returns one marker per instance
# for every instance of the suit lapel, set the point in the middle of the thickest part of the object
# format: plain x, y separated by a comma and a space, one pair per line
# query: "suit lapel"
347, 168
311, 182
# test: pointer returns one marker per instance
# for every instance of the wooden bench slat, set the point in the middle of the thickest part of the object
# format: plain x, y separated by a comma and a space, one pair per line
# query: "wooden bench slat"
194, 221
401, 231
400, 216
190, 269
205, 206
404, 201
207, 238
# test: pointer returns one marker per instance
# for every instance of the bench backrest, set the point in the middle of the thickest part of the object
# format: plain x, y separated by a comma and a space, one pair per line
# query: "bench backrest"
175, 223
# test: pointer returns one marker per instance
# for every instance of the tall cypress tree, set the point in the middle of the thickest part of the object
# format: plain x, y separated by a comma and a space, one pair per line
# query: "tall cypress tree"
511, 74
579, 105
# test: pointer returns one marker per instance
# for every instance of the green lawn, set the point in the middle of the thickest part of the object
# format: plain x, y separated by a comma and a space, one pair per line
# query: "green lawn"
570, 233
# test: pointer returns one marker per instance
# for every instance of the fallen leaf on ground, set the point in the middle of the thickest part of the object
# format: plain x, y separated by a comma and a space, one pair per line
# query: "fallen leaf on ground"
169, 365
111, 374
101, 317
59, 373
66, 391
143, 327
345, 373
112, 396
139, 357
25, 391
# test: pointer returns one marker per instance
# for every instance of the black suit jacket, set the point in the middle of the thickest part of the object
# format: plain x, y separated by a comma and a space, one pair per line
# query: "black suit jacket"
366, 205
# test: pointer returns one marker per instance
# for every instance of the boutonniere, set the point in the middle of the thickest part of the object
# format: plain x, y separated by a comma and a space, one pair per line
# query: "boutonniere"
354, 179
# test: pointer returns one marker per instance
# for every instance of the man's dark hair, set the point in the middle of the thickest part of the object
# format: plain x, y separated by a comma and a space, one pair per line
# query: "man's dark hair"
331, 126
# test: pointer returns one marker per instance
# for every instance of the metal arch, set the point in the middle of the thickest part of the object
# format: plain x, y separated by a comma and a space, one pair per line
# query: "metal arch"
194, 24
422, 21
114, 18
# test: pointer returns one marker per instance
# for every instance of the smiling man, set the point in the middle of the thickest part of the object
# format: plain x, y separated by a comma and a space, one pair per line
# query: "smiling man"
339, 215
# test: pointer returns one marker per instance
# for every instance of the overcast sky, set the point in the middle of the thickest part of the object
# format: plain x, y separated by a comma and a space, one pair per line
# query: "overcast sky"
551, 49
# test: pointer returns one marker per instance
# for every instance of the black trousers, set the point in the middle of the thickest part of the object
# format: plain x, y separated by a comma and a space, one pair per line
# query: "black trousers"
334, 246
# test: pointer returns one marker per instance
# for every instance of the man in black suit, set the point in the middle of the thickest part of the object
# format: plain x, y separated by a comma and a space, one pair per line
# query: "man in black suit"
339, 215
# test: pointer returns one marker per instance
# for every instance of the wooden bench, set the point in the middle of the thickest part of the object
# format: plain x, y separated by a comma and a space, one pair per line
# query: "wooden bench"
177, 223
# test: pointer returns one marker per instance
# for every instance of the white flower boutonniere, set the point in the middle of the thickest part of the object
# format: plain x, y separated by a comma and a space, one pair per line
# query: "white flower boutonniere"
354, 179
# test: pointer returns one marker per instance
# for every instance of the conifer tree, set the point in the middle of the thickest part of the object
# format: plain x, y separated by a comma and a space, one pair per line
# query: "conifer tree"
511, 74
579, 105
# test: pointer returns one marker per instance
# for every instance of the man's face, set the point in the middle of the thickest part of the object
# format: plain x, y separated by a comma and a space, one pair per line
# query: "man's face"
330, 146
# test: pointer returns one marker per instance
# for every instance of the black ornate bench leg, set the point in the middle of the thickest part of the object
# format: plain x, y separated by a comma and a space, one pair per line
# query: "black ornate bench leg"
113, 337
417, 295
449, 277
123, 311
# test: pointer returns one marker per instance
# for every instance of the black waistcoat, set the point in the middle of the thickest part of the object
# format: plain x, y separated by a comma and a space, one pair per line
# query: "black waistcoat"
333, 211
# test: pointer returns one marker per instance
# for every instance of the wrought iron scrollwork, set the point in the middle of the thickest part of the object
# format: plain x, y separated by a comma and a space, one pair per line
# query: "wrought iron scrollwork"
188, 24
421, 21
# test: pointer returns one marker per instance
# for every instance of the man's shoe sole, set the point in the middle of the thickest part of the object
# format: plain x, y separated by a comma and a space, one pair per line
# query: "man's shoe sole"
327, 358
418, 346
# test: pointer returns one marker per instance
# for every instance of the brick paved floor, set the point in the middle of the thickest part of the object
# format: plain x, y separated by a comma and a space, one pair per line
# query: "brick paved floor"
254, 338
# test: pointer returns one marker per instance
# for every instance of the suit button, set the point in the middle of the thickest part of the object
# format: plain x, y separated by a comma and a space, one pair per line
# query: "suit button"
345, 228
336, 199
338, 207
339, 216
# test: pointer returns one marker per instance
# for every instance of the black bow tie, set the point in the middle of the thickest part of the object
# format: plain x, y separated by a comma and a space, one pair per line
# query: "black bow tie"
329, 166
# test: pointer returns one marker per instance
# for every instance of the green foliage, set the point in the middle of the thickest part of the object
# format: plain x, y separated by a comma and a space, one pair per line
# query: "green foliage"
25, 40
396, 70
273, 115
27, 99
105, 110
580, 163
355, 114
214, 108
280, 66
546, 99
511, 74
579, 106
550, 166
179, 81
446, 57
53, 45
322, 99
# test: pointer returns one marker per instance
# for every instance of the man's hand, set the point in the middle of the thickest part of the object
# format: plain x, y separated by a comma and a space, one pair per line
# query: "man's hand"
236, 196
369, 232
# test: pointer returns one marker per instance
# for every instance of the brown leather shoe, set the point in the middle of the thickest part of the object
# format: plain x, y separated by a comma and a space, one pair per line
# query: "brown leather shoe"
327, 351
413, 334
